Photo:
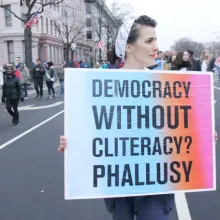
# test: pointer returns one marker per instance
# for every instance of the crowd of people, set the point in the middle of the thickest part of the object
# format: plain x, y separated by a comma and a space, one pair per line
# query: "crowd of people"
15, 80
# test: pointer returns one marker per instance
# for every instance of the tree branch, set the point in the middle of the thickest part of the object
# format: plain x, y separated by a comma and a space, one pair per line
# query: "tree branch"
15, 15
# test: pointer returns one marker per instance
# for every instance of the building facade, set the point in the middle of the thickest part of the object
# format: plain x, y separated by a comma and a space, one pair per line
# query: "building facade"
47, 43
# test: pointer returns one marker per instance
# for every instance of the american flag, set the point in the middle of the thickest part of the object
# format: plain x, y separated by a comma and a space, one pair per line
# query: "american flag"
100, 44
33, 20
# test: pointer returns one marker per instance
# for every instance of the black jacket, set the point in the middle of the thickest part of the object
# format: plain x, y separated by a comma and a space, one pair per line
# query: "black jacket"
38, 72
12, 88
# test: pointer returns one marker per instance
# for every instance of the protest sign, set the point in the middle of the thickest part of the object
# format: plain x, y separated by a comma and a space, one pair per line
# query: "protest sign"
133, 133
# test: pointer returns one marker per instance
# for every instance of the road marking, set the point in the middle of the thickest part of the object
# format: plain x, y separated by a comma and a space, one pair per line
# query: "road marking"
30, 107
182, 206
30, 130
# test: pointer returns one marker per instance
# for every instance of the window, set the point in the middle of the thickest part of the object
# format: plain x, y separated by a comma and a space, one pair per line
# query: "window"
89, 35
51, 27
8, 17
11, 57
88, 8
88, 22
46, 25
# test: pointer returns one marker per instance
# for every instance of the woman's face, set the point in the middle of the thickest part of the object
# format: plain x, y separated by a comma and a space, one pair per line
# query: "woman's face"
9, 71
185, 56
145, 48
173, 58
206, 54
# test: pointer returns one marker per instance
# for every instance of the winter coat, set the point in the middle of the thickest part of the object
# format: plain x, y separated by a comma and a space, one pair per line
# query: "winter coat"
24, 75
60, 74
12, 88
38, 72
49, 75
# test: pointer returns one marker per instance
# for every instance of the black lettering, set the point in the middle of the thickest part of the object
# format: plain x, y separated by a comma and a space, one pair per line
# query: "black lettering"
178, 144
94, 147
175, 84
162, 173
133, 146
187, 88
189, 140
107, 117
124, 144
135, 88
112, 174
129, 108
169, 117
167, 90
173, 167
119, 117
145, 145
158, 117
148, 173
121, 91
127, 177
96, 93
116, 147
107, 154
144, 89
137, 177
187, 170
157, 147
185, 115
107, 88
166, 142
157, 88
144, 116
98, 172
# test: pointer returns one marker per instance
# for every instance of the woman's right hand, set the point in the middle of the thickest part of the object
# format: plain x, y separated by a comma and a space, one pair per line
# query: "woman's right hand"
63, 144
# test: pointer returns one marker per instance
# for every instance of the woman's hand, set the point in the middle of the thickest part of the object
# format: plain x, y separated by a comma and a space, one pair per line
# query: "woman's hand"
63, 144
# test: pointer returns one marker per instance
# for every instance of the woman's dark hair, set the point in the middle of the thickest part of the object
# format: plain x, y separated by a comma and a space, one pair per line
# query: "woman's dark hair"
134, 33
179, 61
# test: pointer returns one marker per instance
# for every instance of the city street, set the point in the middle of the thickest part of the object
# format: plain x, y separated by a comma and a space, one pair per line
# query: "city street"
32, 171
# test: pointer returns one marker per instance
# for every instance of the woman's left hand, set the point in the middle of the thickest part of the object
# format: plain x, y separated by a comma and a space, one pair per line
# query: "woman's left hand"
216, 137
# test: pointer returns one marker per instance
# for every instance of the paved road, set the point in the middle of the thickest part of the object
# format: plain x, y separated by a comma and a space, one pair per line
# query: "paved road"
31, 172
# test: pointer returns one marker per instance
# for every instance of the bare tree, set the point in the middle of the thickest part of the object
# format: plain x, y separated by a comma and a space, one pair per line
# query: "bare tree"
188, 44
214, 49
69, 28
32, 6
109, 19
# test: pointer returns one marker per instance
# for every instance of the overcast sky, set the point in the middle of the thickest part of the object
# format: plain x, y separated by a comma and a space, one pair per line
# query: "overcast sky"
197, 19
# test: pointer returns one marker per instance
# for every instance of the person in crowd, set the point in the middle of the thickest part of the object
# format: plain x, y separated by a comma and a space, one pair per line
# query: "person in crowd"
195, 61
12, 94
98, 66
171, 63
84, 64
50, 78
217, 67
24, 78
114, 60
159, 61
138, 47
38, 76
17, 72
183, 62
60, 75
207, 63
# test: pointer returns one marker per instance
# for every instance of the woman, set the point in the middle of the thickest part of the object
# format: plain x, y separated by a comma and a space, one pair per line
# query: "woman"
205, 62
24, 78
12, 93
61, 79
171, 65
50, 78
182, 62
136, 43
